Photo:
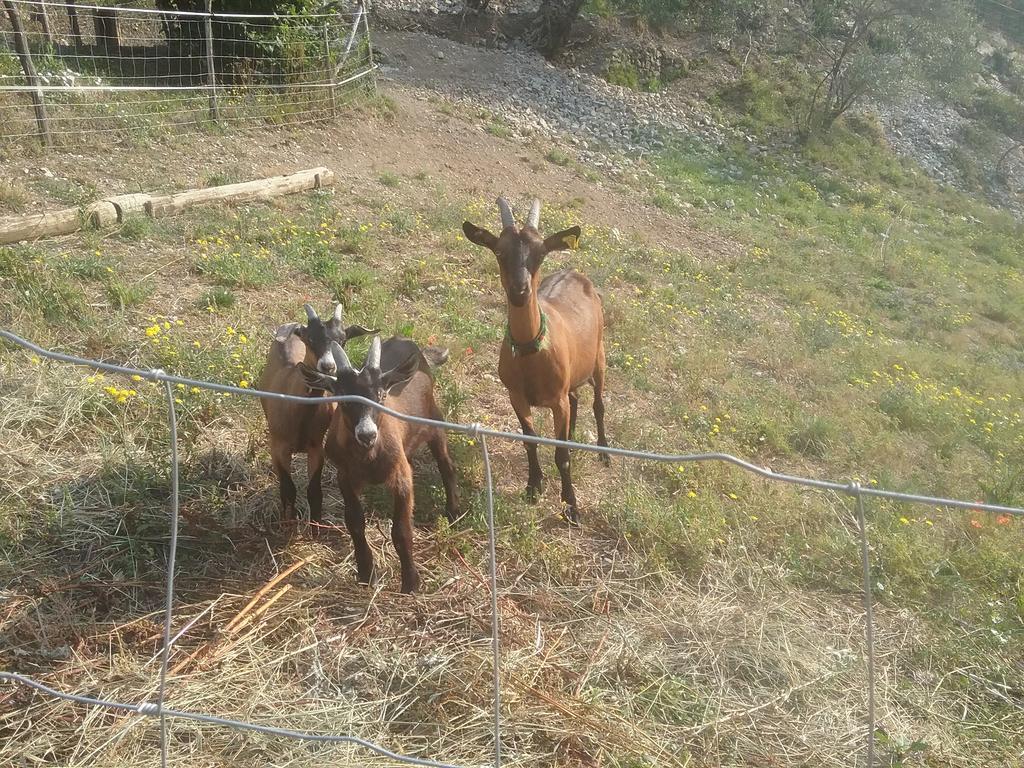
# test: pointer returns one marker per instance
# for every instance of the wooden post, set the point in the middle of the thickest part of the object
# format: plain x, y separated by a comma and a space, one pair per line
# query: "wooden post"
40, 15
21, 45
369, 45
329, 70
76, 28
211, 74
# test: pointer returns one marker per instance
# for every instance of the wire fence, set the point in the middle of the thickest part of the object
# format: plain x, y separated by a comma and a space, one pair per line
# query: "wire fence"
480, 434
70, 71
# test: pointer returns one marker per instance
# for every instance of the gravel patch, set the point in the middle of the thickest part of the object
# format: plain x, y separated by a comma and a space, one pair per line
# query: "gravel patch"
930, 132
535, 97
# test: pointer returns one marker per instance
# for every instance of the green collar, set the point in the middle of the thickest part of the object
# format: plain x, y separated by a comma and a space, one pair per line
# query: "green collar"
539, 343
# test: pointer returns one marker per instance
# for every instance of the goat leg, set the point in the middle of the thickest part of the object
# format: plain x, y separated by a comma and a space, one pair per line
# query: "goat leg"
598, 381
574, 405
535, 482
560, 415
281, 458
315, 491
401, 526
439, 448
355, 522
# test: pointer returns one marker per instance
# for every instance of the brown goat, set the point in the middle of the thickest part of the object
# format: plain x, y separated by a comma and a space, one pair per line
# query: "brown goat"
554, 342
294, 428
369, 446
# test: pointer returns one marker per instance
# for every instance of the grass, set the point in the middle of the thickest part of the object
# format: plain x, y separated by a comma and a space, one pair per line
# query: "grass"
13, 197
698, 616
500, 129
558, 157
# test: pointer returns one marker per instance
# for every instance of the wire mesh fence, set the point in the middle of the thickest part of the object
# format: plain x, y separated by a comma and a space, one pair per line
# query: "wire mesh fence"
164, 714
72, 71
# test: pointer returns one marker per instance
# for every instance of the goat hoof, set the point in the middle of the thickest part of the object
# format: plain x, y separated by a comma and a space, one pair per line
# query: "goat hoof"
571, 514
410, 583
533, 493
605, 459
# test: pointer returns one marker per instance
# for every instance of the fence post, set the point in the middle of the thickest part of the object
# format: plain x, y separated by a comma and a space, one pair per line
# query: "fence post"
329, 71
25, 54
172, 421
369, 43
869, 621
495, 626
211, 74
43, 18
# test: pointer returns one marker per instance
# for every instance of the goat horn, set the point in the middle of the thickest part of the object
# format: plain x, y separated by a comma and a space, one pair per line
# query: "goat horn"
373, 356
507, 219
533, 220
341, 360
337, 312
310, 312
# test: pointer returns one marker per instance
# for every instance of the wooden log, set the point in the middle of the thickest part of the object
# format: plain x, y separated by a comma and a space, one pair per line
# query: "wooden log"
246, 191
126, 204
25, 55
63, 222
113, 210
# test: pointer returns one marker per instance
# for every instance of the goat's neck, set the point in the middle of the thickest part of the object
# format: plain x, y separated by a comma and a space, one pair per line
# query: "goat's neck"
524, 321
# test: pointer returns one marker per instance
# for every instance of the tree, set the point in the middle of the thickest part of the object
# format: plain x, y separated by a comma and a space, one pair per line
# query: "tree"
552, 25
876, 48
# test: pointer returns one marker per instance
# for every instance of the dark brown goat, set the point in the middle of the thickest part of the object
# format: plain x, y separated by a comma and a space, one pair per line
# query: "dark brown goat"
554, 341
369, 446
292, 427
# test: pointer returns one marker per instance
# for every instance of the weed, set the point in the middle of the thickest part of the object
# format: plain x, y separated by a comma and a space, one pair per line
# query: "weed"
87, 265
66, 191
12, 197
126, 295
135, 228
389, 179
217, 298
499, 129
558, 157
222, 178
31, 283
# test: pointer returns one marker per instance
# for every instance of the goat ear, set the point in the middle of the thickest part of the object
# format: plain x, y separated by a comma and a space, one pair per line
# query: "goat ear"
317, 380
401, 373
435, 356
354, 331
479, 235
284, 332
566, 240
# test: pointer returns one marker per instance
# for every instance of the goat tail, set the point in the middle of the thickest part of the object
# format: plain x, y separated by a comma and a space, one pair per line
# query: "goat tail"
435, 356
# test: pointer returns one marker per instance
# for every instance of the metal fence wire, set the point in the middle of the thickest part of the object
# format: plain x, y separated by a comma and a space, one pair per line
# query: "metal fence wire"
70, 71
479, 434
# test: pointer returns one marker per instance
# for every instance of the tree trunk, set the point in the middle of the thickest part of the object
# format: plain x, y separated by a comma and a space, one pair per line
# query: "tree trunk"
553, 25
